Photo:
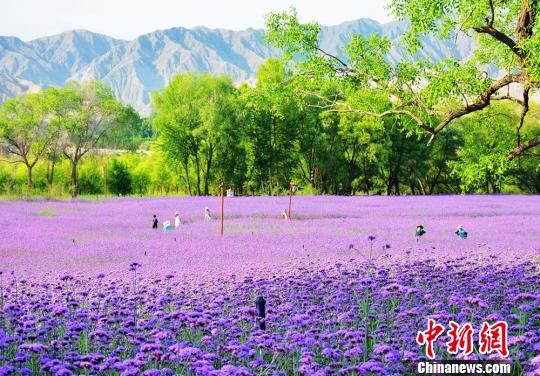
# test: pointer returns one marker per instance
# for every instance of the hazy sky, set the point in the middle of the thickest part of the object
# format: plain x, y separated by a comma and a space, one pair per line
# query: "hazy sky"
28, 19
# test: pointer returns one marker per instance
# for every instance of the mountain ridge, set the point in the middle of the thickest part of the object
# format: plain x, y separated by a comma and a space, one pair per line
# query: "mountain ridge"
134, 68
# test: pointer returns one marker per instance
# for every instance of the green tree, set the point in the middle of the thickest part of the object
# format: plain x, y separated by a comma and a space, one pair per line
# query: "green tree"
271, 116
482, 163
431, 94
191, 113
26, 129
89, 116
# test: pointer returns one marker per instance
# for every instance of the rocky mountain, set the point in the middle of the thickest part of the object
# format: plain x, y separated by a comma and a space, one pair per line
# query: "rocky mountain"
133, 69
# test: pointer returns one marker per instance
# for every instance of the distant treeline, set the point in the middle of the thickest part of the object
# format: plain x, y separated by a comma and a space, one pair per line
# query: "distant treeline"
205, 130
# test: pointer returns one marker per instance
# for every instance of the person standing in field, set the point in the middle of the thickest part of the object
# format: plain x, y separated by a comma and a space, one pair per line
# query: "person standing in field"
207, 214
461, 233
155, 222
177, 220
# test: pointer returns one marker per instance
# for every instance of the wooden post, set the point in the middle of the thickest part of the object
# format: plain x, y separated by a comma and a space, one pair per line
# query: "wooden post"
222, 187
292, 189
290, 199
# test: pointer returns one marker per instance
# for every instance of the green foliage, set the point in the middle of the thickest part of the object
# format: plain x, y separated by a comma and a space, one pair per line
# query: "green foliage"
90, 179
483, 165
89, 116
47, 213
366, 56
261, 138
291, 36
26, 130
119, 179
432, 94
195, 122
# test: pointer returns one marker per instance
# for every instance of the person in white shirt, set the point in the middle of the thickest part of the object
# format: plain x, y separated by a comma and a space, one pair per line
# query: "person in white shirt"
177, 220
207, 214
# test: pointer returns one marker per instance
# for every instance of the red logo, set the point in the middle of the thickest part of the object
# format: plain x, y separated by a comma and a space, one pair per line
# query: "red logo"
493, 338
429, 336
461, 338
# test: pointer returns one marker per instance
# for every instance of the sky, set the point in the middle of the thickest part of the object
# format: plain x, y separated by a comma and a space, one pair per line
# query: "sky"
127, 19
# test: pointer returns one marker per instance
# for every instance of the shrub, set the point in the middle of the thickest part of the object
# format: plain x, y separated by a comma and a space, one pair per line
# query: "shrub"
119, 180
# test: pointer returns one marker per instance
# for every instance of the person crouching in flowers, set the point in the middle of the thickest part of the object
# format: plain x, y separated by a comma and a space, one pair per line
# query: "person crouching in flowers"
419, 232
460, 232
284, 215
176, 220
207, 214
167, 225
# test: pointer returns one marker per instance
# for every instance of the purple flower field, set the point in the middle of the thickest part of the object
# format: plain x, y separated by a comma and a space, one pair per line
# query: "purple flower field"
89, 287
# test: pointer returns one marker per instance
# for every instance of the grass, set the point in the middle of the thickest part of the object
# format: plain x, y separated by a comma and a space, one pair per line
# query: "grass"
47, 213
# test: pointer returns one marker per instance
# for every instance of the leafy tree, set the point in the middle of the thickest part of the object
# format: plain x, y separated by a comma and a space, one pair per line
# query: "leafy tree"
132, 133
26, 129
271, 117
140, 181
89, 116
191, 113
431, 94
438, 176
483, 164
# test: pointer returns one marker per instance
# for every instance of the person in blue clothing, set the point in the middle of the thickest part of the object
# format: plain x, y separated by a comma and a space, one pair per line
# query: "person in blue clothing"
460, 232
167, 226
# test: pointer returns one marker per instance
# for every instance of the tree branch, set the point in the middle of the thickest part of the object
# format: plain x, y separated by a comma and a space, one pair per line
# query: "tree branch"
525, 109
333, 57
507, 98
480, 104
10, 161
535, 141
501, 37
332, 104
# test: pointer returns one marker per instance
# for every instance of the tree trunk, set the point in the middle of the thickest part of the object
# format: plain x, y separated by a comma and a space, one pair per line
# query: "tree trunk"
188, 185
527, 15
29, 177
50, 173
198, 167
208, 167
436, 180
421, 185
350, 177
389, 184
412, 184
73, 179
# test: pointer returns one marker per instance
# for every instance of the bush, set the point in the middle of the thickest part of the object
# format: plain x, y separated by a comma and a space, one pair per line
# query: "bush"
90, 181
120, 179
140, 182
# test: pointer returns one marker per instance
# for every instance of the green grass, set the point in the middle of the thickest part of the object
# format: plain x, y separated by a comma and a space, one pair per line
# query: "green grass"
47, 213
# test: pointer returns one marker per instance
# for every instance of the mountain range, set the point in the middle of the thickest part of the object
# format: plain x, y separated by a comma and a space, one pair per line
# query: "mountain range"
135, 68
